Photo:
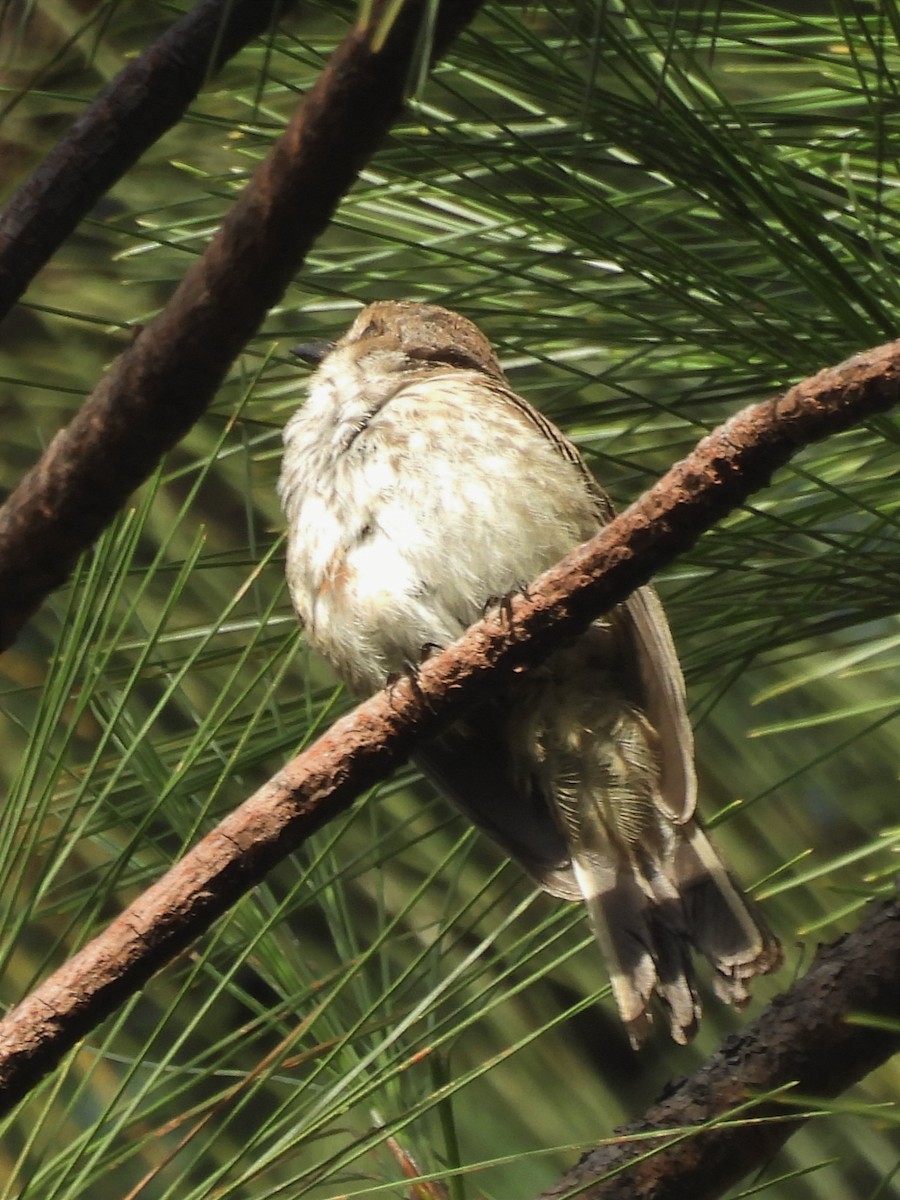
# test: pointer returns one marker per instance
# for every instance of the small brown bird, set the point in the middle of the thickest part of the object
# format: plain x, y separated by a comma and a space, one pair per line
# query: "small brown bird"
418, 488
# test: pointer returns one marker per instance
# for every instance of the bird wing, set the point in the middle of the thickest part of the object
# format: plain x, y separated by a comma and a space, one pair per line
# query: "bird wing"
661, 683
471, 764
663, 703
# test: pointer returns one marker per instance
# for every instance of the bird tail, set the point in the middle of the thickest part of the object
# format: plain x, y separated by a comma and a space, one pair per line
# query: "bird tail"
721, 921
646, 917
645, 950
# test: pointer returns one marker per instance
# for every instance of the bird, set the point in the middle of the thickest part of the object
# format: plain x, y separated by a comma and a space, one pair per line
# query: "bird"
418, 488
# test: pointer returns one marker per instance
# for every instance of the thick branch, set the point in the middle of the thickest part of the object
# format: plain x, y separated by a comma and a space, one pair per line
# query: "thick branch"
164, 381
144, 100
365, 746
804, 1041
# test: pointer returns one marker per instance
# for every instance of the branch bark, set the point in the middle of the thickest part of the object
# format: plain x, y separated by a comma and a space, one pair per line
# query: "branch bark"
804, 1041
144, 100
163, 382
365, 746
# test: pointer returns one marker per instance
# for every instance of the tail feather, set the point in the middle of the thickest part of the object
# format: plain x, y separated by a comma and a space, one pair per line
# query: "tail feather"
723, 923
671, 952
643, 943
647, 915
652, 883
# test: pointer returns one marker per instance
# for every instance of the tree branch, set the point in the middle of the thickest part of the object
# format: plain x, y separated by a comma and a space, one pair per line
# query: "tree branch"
805, 1041
362, 748
145, 99
163, 382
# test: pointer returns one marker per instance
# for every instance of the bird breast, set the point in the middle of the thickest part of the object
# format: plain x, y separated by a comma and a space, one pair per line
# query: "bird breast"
410, 512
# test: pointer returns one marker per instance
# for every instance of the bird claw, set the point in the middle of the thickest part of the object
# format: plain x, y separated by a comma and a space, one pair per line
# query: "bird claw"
504, 604
410, 670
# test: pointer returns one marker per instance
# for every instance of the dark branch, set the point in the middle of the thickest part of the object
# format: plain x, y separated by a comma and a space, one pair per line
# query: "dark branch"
365, 746
144, 100
163, 382
805, 1042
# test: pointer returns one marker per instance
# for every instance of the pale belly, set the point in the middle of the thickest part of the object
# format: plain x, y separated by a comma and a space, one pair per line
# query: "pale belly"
418, 532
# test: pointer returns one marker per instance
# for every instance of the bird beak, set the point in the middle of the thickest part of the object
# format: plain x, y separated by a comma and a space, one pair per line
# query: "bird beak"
312, 352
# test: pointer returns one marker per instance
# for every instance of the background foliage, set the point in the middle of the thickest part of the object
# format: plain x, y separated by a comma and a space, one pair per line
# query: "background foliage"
658, 214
